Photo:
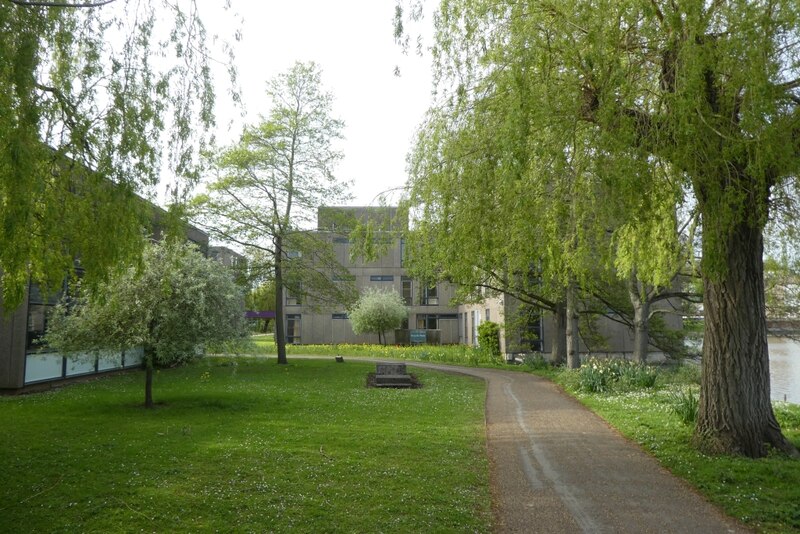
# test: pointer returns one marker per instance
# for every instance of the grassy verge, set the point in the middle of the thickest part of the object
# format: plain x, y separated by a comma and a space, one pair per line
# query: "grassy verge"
247, 446
761, 493
454, 354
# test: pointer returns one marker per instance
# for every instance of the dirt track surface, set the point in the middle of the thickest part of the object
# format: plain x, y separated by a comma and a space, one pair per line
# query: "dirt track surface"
557, 467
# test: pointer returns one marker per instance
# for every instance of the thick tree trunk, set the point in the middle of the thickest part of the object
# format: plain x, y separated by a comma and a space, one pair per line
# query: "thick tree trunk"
573, 336
148, 377
641, 312
735, 414
558, 350
280, 320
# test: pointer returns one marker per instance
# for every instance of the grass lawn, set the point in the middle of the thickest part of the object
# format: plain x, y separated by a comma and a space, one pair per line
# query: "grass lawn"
764, 493
246, 445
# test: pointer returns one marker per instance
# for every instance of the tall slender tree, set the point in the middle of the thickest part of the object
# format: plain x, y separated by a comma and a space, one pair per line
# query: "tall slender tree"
269, 185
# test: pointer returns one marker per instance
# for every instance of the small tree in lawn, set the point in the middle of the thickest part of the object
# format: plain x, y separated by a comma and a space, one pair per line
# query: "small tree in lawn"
171, 306
378, 311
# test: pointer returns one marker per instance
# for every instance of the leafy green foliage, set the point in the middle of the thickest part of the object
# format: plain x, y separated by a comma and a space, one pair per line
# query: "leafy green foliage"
603, 119
266, 188
535, 362
377, 311
262, 298
92, 101
489, 338
172, 307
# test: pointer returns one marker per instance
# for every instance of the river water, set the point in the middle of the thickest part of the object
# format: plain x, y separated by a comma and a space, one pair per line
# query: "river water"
784, 369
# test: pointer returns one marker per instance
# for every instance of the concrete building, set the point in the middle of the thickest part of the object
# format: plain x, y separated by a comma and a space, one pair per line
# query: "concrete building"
227, 257
526, 330
431, 318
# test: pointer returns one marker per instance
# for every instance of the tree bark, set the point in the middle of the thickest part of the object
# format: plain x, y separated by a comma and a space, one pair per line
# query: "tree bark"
148, 377
641, 312
280, 320
573, 339
558, 350
735, 414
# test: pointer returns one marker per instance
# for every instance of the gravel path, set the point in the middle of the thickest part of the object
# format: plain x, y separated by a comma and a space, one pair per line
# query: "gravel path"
557, 467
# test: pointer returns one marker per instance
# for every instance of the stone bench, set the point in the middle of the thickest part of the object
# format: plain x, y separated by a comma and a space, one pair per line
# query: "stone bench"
392, 375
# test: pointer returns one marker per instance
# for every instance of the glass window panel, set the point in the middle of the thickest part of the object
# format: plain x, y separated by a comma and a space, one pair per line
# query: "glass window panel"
43, 367
80, 364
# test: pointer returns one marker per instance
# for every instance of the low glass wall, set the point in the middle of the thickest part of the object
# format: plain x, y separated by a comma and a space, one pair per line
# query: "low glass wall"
40, 367
44, 366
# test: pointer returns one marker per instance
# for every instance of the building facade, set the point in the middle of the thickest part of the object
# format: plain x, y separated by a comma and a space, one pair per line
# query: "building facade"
526, 330
431, 318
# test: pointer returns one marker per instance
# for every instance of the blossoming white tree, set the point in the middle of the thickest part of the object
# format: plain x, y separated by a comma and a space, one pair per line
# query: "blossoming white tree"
377, 311
177, 302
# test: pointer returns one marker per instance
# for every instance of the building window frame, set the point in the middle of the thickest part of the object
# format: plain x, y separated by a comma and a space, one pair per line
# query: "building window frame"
294, 323
408, 290
430, 295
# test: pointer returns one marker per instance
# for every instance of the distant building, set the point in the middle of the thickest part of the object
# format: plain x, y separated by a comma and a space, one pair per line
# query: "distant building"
226, 256
431, 318
525, 329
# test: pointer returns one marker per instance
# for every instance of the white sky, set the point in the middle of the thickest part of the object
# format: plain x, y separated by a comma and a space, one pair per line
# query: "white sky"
352, 42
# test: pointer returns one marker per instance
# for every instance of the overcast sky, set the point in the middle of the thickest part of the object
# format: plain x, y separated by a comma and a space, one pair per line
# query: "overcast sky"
352, 42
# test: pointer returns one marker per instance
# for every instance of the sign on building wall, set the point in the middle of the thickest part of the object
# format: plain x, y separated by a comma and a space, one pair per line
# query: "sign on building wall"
418, 336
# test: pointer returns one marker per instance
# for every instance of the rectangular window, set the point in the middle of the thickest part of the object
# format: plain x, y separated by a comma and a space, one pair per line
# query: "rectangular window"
339, 316
381, 278
343, 278
487, 314
294, 254
427, 321
408, 291
430, 296
292, 298
341, 240
293, 328
37, 326
432, 323
402, 252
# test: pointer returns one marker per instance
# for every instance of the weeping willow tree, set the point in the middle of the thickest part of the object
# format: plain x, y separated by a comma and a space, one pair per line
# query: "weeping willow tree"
709, 91
97, 101
532, 212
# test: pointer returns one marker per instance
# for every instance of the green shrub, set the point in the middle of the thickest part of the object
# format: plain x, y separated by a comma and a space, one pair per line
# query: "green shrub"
685, 403
489, 338
535, 362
